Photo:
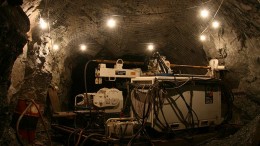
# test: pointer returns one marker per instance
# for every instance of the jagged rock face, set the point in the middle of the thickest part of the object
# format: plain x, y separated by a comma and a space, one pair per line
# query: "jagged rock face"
237, 45
13, 27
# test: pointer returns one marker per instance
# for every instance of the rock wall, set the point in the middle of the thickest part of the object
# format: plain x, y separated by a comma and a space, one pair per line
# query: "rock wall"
237, 45
14, 24
40, 65
242, 63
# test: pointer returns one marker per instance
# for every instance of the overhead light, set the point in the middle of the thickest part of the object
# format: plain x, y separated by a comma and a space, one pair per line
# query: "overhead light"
111, 23
43, 24
202, 37
56, 47
215, 24
204, 13
150, 47
83, 47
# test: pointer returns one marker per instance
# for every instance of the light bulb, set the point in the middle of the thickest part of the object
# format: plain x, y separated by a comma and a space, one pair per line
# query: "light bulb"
204, 13
202, 37
215, 24
43, 24
56, 47
111, 23
150, 47
83, 47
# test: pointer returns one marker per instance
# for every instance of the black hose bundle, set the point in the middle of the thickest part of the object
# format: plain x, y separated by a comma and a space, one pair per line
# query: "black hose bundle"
142, 116
191, 113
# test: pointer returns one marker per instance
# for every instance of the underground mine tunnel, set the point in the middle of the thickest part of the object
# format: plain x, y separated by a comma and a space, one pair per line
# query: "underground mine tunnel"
129, 72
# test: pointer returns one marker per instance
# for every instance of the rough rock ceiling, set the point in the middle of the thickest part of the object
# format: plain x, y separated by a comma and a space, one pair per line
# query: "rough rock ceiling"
172, 26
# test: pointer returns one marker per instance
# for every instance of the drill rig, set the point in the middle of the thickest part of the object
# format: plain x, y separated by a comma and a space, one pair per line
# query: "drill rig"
157, 98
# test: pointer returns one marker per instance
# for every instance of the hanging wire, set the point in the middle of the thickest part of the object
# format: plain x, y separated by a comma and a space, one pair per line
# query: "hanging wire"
213, 16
